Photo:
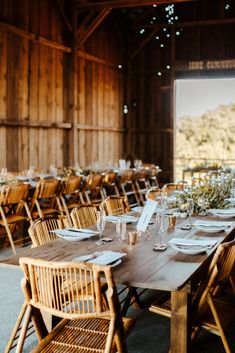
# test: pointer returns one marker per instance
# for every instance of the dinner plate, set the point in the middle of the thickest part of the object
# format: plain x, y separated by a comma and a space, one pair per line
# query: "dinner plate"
194, 250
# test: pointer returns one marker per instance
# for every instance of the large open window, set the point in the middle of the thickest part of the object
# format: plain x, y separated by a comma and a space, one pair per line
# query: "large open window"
204, 124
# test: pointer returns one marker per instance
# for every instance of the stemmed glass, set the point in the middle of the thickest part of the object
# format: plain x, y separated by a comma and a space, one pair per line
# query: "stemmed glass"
164, 200
121, 230
190, 208
100, 223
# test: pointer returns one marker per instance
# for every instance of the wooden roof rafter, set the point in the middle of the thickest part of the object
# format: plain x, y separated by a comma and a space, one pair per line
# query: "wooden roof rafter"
95, 5
84, 32
63, 16
145, 42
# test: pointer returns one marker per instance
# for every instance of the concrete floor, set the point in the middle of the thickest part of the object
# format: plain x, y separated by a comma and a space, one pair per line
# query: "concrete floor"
149, 335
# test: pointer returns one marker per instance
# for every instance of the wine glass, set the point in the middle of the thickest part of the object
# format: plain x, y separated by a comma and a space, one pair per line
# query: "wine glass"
100, 223
190, 208
120, 230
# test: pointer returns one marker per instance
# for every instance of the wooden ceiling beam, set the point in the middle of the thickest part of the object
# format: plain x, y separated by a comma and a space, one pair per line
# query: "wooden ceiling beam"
63, 16
144, 42
214, 22
31, 36
92, 27
87, 5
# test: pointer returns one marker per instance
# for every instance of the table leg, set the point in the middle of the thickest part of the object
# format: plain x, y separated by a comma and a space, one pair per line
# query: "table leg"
180, 321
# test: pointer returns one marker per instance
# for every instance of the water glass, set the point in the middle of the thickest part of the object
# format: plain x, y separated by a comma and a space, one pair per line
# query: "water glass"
190, 208
121, 230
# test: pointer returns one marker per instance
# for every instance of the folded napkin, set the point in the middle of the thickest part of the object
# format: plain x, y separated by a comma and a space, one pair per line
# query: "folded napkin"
68, 232
193, 242
222, 210
213, 224
101, 258
122, 218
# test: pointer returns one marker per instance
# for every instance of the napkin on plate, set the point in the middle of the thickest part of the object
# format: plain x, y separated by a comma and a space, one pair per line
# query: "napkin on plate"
102, 258
69, 232
219, 224
193, 242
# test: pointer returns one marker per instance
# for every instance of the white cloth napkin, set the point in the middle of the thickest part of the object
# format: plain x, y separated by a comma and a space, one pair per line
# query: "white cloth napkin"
219, 224
222, 210
193, 242
102, 258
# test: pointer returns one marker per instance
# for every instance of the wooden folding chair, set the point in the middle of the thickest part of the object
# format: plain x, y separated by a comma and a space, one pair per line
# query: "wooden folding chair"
116, 205
87, 324
40, 231
70, 194
128, 187
210, 310
14, 210
110, 183
45, 200
84, 216
94, 188
142, 184
154, 193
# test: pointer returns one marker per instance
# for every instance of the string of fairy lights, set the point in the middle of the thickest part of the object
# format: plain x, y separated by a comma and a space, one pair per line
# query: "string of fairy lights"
170, 17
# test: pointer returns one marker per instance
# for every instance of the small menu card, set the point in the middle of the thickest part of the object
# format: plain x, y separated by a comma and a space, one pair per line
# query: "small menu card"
146, 215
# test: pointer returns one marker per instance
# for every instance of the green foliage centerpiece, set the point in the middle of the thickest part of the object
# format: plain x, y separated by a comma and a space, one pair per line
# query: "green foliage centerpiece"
214, 193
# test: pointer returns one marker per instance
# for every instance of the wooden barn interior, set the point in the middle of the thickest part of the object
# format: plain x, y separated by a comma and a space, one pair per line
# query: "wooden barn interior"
83, 81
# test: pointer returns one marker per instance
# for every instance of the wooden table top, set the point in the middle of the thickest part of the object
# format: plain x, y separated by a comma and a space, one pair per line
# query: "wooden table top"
142, 267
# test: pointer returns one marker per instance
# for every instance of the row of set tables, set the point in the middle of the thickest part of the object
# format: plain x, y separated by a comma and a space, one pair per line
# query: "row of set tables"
142, 267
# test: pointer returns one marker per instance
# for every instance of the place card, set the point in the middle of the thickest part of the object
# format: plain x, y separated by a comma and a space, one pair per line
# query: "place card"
146, 215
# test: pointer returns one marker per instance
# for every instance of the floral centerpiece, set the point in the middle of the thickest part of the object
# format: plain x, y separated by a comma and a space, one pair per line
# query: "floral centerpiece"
214, 195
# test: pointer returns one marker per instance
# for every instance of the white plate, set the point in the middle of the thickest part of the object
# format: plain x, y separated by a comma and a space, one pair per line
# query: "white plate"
195, 250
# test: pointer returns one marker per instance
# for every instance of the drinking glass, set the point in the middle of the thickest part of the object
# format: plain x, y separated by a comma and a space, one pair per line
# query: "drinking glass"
100, 223
159, 224
164, 200
190, 208
121, 230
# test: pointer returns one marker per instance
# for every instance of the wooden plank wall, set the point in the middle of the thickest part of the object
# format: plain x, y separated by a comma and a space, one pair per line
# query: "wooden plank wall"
100, 106
34, 91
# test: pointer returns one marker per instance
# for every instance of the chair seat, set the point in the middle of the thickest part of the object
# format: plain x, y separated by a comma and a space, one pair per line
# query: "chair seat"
47, 211
14, 219
226, 309
83, 336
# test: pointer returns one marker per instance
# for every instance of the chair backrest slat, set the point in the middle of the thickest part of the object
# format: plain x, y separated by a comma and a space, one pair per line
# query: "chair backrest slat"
84, 215
82, 296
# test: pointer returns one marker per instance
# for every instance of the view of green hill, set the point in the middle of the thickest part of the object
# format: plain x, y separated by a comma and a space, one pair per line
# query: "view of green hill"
206, 139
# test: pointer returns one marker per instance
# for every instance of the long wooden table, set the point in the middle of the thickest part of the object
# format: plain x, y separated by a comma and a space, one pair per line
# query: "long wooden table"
144, 268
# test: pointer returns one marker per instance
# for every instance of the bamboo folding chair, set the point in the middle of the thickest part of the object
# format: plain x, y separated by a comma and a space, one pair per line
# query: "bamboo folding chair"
45, 200
87, 324
14, 210
84, 216
210, 310
40, 231
116, 205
